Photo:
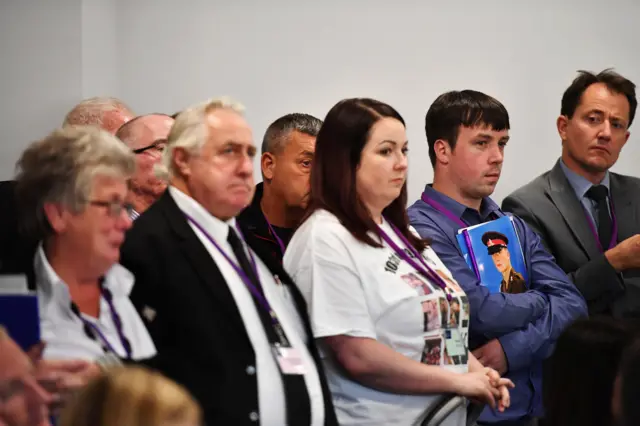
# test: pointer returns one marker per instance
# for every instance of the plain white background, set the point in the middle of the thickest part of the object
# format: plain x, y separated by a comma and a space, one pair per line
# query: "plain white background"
283, 56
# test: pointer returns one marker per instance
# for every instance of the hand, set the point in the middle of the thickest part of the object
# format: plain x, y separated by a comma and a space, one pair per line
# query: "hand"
626, 255
62, 378
477, 387
503, 386
492, 355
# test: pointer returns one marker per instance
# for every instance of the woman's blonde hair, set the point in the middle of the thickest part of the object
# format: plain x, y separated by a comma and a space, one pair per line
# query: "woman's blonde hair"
132, 396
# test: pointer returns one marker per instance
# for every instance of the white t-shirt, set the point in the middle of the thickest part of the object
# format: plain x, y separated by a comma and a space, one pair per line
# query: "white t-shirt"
357, 290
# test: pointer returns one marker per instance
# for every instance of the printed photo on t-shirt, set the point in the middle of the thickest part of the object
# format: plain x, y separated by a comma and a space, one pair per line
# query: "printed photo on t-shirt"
455, 349
422, 288
431, 312
464, 311
432, 350
454, 312
451, 284
444, 312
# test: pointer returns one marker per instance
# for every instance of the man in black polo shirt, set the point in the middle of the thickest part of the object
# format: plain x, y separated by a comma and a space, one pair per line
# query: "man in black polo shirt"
280, 200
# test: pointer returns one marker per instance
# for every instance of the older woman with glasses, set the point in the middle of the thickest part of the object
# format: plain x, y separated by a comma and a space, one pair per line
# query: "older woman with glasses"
72, 186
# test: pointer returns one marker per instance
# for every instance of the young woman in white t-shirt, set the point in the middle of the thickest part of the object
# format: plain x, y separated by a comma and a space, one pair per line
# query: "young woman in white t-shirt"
391, 320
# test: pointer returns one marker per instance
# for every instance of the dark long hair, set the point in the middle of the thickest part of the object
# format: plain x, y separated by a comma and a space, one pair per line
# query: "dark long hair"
339, 146
579, 377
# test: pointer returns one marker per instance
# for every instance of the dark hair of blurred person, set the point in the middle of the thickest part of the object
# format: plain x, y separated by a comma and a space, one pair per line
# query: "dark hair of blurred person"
579, 377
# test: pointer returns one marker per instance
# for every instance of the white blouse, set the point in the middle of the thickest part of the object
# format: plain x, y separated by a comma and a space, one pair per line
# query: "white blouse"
63, 331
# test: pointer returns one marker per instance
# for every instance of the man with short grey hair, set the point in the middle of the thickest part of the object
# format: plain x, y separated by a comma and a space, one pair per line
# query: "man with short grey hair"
280, 200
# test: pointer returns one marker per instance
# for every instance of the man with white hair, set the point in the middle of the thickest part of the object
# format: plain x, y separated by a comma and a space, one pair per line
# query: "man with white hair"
105, 112
146, 136
227, 321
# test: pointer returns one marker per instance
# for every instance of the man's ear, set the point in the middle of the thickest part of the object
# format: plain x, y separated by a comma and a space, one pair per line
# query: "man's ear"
562, 123
443, 151
181, 161
267, 165
55, 215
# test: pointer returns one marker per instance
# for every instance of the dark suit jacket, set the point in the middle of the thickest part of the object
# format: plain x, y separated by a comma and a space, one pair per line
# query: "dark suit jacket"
193, 319
550, 207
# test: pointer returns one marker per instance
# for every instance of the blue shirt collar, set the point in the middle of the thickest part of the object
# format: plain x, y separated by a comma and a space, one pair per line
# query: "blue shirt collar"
580, 184
487, 206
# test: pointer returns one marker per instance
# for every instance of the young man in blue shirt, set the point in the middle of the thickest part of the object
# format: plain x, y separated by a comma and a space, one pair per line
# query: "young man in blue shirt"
467, 133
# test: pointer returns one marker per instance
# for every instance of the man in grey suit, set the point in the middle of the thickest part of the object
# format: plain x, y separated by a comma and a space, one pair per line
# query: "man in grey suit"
587, 216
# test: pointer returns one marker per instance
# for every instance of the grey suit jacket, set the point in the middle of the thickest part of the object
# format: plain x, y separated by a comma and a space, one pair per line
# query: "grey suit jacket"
551, 208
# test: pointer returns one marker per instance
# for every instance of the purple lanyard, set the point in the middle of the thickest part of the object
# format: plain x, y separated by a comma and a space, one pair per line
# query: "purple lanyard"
423, 268
106, 294
257, 294
436, 205
467, 239
273, 232
614, 231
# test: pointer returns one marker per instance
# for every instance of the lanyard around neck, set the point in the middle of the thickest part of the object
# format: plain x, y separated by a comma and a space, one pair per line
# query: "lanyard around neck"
255, 292
421, 266
91, 330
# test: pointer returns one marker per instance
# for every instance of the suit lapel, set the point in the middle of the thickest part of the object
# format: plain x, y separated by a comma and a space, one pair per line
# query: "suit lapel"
201, 261
625, 207
567, 203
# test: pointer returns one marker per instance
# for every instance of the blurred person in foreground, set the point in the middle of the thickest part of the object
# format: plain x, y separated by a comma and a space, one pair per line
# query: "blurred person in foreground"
132, 396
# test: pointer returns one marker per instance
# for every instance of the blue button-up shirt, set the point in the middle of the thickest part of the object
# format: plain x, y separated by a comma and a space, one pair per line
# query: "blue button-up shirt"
527, 324
580, 186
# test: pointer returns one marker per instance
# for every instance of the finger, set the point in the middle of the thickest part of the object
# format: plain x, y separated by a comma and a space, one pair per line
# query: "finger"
506, 382
71, 366
506, 396
489, 398
493, 376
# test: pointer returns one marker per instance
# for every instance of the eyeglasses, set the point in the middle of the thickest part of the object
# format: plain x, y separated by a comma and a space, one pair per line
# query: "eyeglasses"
114, 208
158, 145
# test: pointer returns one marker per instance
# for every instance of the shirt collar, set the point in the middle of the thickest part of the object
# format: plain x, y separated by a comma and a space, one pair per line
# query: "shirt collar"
580, 184
218, 229
487, 206
51, 287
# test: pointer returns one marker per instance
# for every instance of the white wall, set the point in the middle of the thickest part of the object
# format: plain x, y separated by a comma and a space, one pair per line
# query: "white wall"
283, 56
40, 71
99, 54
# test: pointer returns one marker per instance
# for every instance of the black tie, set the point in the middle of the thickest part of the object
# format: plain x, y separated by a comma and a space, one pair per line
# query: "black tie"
297, 401
599, 193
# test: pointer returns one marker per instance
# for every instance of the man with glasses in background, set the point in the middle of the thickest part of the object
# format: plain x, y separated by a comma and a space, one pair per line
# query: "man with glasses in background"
146, 135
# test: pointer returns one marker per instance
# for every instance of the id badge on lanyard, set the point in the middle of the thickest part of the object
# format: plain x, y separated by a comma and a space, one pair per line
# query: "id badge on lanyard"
289, 360
453, 340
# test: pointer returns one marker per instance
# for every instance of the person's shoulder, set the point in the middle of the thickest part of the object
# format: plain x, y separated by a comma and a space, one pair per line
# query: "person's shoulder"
322, 222
625, 181
531, 190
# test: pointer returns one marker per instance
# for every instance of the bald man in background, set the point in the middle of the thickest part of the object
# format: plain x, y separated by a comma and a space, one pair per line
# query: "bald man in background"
17, 250
146, 136
108, 113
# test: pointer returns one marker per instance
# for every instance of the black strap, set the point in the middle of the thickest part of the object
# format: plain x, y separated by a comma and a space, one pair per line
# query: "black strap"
298, 405
599, 194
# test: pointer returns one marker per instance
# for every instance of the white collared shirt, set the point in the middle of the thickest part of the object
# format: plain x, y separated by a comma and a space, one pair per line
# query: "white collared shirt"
271, 397
62, 330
